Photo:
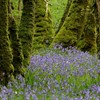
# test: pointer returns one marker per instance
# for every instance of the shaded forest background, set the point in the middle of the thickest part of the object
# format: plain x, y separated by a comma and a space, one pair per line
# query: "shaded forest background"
27, 26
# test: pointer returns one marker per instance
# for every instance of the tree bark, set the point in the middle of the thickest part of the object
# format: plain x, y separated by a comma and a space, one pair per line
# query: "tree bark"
26, 29
6, 67
98, 35
15, 43
90, 32
43, 25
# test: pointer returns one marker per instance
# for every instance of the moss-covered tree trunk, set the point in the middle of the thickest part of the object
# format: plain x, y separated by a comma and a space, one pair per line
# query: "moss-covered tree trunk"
89, 38
43, 25
98, 17
26, 29
15, 43
72, 28
6, 67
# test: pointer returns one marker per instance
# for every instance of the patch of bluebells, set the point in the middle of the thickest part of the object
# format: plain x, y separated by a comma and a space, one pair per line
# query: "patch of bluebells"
57, 74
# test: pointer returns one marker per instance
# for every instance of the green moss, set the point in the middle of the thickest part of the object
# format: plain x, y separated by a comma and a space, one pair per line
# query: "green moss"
72, 27
6, 68
16, 48
89, 36
43, 25
97, 15
15, 43
26, 29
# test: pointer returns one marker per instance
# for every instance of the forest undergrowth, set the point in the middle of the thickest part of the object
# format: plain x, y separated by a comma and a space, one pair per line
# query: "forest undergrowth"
57, 74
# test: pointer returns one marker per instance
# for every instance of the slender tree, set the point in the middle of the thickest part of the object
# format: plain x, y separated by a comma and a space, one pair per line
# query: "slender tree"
26, 29
6, 67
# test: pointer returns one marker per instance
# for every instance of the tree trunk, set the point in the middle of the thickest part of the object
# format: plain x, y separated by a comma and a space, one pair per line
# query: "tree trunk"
88, 39
72, 28
6, 67
15, 43
98, 36
43, 25
26, 29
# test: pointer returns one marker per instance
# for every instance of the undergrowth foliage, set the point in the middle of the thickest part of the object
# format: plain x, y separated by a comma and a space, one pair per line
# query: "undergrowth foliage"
57, 74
